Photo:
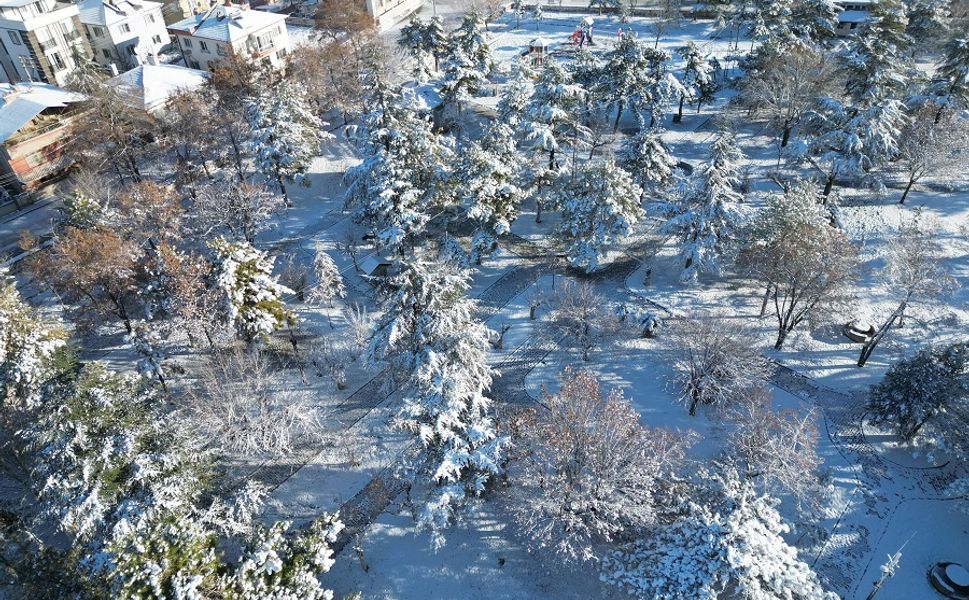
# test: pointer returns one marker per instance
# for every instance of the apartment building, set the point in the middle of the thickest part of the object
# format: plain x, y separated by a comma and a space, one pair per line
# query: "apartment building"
123, 33
387, 13
39, 40
35, 119
207, 38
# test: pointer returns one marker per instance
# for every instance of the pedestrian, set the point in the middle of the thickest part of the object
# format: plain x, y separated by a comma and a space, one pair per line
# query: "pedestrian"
619, 34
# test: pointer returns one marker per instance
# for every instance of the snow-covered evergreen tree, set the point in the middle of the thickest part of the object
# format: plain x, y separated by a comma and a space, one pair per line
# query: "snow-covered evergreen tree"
551, 122
488, 176
461, 80
627, 74
436, 40
414, 39
917, 394
648, 159
877, 63
252, 297
727, 541
432, 339
329, 282
470, 39
83, 212
285, 133
400, 182
952, 87
697, 77
28, 344
843, 141
814, 21
599, 206
928, 24
513, 100
707, 212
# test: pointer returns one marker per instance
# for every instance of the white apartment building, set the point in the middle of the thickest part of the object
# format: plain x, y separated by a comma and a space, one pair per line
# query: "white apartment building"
207, 38
387, 13
39, 40
123, 32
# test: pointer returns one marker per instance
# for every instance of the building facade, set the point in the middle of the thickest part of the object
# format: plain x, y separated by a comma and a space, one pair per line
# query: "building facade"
35, 120
387, 13
208, 38
39, 40
123, 32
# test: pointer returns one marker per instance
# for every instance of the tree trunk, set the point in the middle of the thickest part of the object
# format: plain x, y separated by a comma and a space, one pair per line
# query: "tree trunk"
694, 400
679, 114
763, 305
828, 184
870, 345
615, 126
781, 336
911, 182
786, 136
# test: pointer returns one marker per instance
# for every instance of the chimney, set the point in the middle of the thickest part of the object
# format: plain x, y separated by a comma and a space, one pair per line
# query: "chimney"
114, 69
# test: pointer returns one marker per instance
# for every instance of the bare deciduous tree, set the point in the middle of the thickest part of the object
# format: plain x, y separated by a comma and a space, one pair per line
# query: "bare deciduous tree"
581, 315
587, 469
927, 148
716, 362
778, 447
244, 404
914, 271
240, 209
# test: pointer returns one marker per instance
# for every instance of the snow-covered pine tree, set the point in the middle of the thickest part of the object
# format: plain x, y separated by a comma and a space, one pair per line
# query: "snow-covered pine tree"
432, 339
707, 212
599, 206
928, 24
551, 125
843, 141
814, 22
918, 392
772, 21
728, 537
470, 38
627, 74
329, 282
252, 297
648, 159
488, 172
405, 173
436, 40
286, 134
461, 80
413, 39
605, 5
513, 100
952, 88
697, 78
120, 477
28, 345
83, 212
876, 62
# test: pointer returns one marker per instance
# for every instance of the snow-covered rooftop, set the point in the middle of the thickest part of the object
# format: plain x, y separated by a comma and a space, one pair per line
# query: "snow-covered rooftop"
109, 12
853, 16
149, 86
227, 23
20, 103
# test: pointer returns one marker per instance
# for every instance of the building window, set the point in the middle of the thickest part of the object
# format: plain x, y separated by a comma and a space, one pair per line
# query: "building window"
105, 52
149, 18
125, 28
156, 39
188, 42
203, 46
98, 32
57, 60
220, 50
14, 38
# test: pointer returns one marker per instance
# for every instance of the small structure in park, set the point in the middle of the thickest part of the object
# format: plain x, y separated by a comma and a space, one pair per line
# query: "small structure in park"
537, 52
375, 267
